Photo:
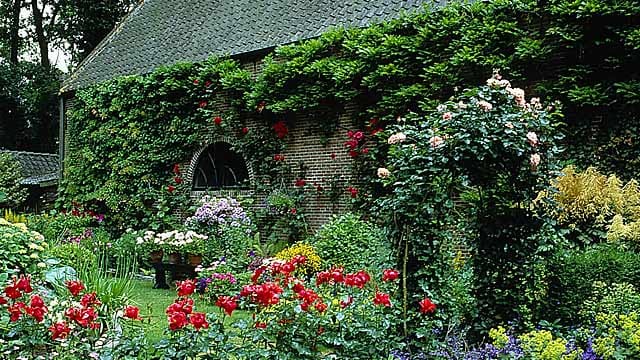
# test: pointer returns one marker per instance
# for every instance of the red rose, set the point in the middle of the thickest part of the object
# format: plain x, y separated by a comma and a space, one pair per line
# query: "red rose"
203, 104
381, 299
12, 292
59, 330
199, 321
278, 157
321, 307
186, 288
36, 312
217, 120
281, 130
75, 287
178, 180
244, 130
228, 303
260, 325
353, 153
390, 274
132, 312
177, 320
15, 311
171, 189
89, 299
176, 169
300, 182
293, 211
427, 306
353, 191
365, 150
196, 82
24, 284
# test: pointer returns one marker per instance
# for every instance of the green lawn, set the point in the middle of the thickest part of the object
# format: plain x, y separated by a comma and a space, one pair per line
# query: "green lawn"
153, 303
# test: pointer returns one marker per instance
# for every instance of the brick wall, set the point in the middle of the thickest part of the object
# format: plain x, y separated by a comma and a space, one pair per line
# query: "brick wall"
306, 146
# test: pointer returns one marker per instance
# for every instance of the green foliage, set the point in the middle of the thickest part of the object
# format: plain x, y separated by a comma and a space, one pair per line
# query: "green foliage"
20, 249
353, 243
58, 227
73, 255
127, 134
14, 194
615, 298
594, 206
573, 273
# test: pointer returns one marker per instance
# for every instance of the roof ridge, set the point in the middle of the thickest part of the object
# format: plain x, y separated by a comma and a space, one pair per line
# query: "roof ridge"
21, 152
100, 47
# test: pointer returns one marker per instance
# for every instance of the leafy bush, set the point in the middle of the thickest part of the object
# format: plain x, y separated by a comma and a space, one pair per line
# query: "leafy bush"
312, 260
73, 255
13, 194
58, 227
619, 299
353, 243
593, 204
20, 249
573, 273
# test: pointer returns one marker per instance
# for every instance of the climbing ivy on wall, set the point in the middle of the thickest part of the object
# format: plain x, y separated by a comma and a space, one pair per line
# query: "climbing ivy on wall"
126, 134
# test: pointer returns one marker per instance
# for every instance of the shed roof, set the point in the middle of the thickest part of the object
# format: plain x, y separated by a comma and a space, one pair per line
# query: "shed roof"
163, 32
37, 168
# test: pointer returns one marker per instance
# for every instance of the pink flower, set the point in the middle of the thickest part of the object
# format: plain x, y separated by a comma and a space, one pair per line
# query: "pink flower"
532, 138
534, 161
447, 116
436, 141
396, 138
383, 173
486, 106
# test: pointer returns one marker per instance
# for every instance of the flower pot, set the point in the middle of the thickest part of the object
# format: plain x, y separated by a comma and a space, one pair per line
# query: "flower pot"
156, 256
175, 258
195, 260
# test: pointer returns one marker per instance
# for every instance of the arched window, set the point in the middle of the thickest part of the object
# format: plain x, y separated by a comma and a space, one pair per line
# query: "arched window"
219, 167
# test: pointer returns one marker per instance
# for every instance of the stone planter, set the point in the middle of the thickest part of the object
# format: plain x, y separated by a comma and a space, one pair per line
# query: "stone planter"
156, 256
195, 260
175, 258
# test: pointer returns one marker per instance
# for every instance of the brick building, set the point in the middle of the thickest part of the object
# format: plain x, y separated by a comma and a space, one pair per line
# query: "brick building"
163, 32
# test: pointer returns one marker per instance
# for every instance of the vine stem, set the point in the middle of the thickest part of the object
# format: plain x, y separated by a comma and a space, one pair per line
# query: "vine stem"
405, 293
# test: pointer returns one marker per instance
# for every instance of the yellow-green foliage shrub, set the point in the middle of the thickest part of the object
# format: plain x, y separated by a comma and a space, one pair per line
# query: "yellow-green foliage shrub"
309, 252
542, 345
617, 334
20, 248
594, 203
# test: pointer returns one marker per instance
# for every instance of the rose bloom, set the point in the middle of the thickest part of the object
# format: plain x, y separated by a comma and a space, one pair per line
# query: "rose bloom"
381, 299
532, 138
383, 173
436, 141
396, 138
427, 306
199, 321
390, 274
447, 116
486, 106
534, 161
132, 312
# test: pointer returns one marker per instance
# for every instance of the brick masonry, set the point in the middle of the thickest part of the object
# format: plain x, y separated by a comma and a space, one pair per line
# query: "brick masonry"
304, 146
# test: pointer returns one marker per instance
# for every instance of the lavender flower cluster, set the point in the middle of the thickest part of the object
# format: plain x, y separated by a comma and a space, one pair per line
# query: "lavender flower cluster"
223, 211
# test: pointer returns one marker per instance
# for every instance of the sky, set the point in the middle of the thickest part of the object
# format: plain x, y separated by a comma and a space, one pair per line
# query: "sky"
58, 57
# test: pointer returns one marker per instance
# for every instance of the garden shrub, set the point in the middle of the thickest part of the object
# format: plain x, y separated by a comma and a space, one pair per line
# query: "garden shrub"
312, 259
572, 275
12, 193
593, 204
21, 250
73, 255
615, 298
465, 176
59, 227
356, 244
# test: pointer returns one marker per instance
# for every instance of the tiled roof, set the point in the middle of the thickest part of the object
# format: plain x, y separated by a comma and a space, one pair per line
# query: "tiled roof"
163, 32
37, 168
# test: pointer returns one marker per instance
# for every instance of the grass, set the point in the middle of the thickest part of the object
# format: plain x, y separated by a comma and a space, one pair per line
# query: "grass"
153, 303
